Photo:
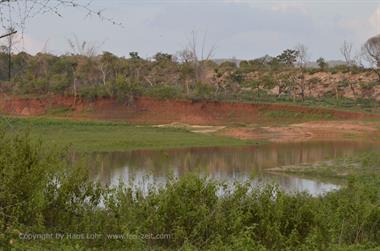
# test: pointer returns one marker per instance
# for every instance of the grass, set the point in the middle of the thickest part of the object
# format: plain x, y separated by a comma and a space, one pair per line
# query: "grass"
62, 110
290, 116
90, 136
344, 104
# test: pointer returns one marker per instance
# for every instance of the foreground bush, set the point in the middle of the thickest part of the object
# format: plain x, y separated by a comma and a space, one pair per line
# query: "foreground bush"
47, 203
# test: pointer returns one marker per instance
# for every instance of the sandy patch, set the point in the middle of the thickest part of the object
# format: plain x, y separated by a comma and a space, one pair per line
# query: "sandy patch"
193, 128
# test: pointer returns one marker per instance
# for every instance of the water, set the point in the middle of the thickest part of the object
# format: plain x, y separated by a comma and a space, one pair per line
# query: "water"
144, 168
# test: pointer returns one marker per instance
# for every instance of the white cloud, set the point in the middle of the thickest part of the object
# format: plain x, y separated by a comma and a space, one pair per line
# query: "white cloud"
28, 44
276, 6
374, 21
285, 7
361, 28
352, 24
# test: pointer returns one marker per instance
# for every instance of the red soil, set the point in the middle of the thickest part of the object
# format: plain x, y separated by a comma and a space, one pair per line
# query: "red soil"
152, 111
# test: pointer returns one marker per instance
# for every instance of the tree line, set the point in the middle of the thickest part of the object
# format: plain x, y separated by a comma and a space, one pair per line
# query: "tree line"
189, 73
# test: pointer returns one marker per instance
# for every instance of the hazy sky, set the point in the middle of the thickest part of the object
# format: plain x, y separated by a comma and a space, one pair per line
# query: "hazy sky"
238, 28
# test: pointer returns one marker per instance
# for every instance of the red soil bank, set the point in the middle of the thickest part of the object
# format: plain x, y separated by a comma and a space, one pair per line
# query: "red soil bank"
153, 111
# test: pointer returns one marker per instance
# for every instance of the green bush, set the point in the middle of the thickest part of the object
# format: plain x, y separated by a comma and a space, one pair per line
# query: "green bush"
314, 70
90, 92
203, 91
125, 89
339, 68
164, 91
59, 83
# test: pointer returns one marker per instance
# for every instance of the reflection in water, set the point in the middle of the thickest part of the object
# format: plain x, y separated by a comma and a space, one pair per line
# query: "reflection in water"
145, 168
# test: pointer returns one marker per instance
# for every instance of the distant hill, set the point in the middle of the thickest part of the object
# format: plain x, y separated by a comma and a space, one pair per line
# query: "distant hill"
331, 63
311, 64
222, 60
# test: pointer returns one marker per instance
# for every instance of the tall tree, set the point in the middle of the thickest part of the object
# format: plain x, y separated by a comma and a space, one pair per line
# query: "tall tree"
371, 51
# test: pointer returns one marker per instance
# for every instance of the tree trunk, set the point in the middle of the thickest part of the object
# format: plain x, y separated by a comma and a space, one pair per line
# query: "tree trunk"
103, 75
377, 71
187, 88
75, 90
352, 89
336, 94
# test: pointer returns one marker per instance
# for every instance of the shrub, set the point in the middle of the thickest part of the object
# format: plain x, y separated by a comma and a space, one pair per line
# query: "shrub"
40, 190
59, 83
203, 91
124, 89
90, 92
164, 91
340, 68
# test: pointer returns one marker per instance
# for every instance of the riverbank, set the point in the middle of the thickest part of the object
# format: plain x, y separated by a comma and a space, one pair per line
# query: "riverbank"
146, 110
241, 121
90, 136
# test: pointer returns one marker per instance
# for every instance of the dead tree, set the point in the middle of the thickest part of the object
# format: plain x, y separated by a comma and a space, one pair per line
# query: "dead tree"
198, 55
302, 60
346, 51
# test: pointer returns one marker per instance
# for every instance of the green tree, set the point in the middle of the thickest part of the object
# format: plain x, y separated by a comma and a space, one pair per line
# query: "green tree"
288, 57
323, 65
134, 55
162, 57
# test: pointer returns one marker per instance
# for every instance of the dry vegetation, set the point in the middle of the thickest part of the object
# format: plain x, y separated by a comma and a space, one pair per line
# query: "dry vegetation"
85, 75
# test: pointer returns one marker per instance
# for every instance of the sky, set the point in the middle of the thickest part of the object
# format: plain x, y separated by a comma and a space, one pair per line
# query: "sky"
242, 29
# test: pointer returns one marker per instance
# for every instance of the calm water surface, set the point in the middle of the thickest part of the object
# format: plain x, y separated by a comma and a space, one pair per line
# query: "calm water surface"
145, 168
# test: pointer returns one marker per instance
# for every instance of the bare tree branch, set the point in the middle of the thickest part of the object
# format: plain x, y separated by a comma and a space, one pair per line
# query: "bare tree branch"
371, 52
346, 51
83, 48
302, 55
191, 53
16, 13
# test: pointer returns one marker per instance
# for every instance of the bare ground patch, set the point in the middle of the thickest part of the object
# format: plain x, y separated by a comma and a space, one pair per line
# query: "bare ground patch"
317, 130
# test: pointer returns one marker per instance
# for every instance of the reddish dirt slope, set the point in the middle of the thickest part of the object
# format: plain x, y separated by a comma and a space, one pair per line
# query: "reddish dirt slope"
153, 111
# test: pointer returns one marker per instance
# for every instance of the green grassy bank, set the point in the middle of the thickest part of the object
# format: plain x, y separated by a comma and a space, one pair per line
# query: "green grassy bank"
89, 136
